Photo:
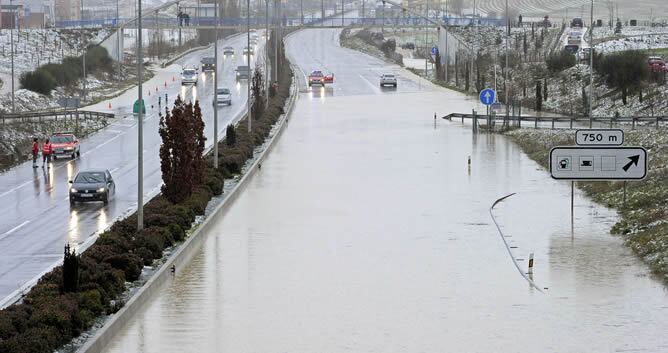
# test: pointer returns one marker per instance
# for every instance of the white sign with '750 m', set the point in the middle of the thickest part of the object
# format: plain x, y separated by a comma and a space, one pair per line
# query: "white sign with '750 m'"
599, 137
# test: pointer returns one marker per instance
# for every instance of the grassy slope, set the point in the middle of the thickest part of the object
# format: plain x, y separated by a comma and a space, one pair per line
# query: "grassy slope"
643, 221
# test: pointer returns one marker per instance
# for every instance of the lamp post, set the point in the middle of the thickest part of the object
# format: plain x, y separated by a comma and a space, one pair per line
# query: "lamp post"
12, 49
140, 123
266, 48
215, 87
505, 72
119, 50
83, 55
250, 76
591, 64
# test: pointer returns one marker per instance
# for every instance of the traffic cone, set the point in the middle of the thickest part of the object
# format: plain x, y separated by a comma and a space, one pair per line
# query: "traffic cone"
149, 93
173, 79
165, 83
156, 88
109, 105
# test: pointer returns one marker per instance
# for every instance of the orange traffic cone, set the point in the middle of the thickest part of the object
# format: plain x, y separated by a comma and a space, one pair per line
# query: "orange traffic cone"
110, 105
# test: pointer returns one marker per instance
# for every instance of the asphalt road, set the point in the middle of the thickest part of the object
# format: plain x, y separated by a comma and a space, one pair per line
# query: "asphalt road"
36, 220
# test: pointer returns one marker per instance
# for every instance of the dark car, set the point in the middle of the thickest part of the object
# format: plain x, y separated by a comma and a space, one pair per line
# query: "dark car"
208, 64
577, 23
92, 185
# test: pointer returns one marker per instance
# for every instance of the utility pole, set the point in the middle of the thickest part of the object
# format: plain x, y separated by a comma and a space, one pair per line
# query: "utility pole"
276, 30
250, 76
301, 7
12, 49
505, 72
591, 64
363, 3
426, 45
343, 9
215, 88
119, 50
266, 49
140, 124
322, 9
447, 48
83, 44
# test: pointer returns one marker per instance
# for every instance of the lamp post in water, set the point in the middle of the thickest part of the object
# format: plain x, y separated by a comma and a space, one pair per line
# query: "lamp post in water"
140, 123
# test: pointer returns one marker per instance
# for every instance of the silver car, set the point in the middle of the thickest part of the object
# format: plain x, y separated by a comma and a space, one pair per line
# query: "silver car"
189, 76
224, 96
228, 51
388, 80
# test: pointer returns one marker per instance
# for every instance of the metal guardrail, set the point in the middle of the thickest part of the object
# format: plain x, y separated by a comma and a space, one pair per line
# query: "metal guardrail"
54, 114
633, 120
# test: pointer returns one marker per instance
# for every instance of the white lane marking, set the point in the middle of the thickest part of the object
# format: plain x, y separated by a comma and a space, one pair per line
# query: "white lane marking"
115, 131
13, 230
113, 170
15, 188
104, 143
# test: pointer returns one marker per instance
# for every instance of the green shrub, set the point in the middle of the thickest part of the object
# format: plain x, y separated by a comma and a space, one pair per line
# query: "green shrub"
130, 264
560, 61
40, 81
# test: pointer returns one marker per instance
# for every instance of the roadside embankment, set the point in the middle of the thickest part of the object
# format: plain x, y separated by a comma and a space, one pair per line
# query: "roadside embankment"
643, 221
16, 137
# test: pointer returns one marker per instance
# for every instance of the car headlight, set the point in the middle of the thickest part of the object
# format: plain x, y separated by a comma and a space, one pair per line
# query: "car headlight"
73, 190
68, 148
101, 190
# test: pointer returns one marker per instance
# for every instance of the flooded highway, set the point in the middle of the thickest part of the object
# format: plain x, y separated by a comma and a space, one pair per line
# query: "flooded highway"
366, 231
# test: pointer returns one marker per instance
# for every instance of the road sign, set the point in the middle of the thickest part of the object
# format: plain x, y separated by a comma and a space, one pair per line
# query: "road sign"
487, 96
598, 163
600, 137
434, 50
135, 107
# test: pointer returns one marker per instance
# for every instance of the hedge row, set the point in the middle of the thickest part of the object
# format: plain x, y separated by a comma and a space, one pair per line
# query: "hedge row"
48, 76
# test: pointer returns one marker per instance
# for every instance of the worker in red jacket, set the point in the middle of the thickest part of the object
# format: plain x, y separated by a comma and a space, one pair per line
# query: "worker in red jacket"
47, 149
35, 152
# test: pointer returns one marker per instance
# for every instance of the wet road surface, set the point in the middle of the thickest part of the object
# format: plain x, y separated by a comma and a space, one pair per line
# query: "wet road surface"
366, 232
36, 220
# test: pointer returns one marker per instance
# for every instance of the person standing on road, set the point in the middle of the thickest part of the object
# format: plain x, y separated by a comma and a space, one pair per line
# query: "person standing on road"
35, 152
47, 148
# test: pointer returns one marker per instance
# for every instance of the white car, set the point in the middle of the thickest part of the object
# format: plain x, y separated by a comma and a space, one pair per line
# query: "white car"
388, 80
228, 51
224, 96
248, 50
189, 76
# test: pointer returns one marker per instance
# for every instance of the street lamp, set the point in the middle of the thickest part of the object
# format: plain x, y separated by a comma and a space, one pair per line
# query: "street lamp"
215, 88
591, 63
12, 48
250, 78
140, 123
83, 44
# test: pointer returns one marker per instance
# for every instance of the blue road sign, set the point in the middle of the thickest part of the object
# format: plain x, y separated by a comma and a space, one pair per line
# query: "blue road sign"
487, 96
434, 50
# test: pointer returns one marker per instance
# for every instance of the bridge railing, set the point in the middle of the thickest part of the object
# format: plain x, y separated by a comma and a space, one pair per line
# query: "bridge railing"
54, 114
540, 121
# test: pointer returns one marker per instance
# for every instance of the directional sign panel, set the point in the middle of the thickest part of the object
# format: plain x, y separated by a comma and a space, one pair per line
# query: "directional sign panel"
487, 96
434, 50
599, 137
598, 163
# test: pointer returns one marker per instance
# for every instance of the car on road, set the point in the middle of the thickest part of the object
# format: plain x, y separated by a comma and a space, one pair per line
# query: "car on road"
92, 185
316, 77
572, 48
388, 80
224, 96
243, 72
249, 50
228, 51
65, 144
583, 54
409, 45
189, 76
253, 41
656, 64
208, 64
577, 23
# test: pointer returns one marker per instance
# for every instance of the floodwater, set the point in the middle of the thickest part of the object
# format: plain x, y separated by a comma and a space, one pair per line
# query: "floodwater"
365, 231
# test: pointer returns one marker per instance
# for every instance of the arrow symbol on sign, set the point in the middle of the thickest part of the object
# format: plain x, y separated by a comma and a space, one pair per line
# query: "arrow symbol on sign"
633, 160
488, 97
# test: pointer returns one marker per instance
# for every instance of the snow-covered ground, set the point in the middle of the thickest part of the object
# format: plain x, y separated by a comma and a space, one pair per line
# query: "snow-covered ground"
34, 47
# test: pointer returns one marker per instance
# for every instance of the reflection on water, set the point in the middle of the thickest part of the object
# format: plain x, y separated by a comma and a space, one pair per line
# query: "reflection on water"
102, 220
73, 226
